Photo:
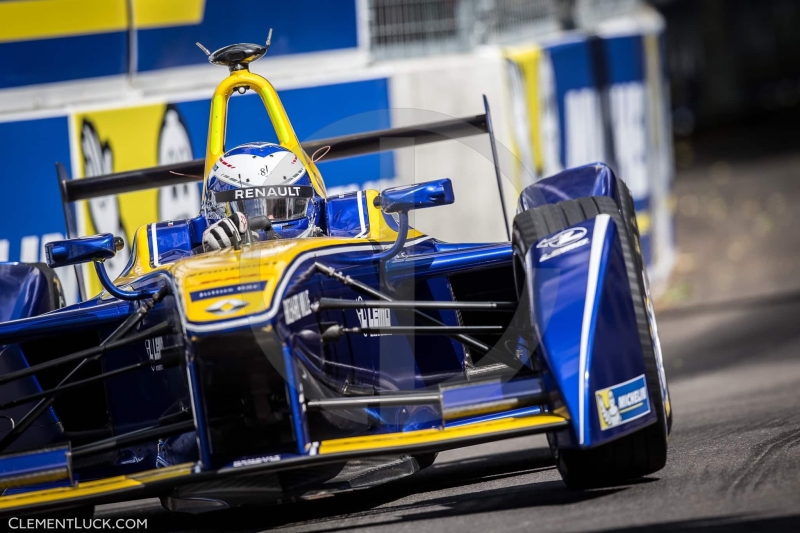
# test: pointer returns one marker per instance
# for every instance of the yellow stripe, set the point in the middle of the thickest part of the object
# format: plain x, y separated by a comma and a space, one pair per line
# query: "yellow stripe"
430, 436
88, 488
160, 13
159, 474
45, 19
92, 488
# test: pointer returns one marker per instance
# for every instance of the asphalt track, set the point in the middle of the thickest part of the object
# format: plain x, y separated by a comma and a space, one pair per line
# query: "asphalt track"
734, 456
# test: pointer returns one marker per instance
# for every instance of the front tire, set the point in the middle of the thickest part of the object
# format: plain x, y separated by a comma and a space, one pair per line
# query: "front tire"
645, 451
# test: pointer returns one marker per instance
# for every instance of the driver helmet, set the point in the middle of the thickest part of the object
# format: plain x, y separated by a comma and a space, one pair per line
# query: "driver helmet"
264, 179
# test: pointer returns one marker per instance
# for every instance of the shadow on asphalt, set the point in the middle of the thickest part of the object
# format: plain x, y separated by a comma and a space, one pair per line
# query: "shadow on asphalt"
732, 340
726, 524
367, 504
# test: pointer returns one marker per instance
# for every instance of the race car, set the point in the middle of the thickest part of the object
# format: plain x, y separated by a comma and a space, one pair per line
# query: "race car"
325, 345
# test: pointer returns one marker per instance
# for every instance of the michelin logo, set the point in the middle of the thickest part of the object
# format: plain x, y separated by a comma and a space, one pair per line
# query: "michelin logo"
622, 403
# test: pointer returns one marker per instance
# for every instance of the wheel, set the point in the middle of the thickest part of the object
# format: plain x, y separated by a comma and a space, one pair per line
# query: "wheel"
645, 451
629, 216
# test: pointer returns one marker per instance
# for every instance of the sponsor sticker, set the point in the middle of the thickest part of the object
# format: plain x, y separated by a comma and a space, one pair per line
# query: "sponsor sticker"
249, 193
564, 238
374, 318
563, 242
622, 403
296, 307
154, 347
226, 307
227, 290
256, 461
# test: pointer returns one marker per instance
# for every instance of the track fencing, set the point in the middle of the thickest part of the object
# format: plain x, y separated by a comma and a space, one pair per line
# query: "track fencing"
412, 28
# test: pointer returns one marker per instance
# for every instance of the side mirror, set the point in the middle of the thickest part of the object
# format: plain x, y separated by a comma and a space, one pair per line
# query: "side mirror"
82, 250
417, 196
401, 200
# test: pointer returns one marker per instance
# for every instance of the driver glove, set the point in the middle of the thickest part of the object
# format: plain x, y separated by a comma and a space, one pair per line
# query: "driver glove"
225, 233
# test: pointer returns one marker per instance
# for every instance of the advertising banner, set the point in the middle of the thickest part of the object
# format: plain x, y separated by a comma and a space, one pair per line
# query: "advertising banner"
583, 99
84, 39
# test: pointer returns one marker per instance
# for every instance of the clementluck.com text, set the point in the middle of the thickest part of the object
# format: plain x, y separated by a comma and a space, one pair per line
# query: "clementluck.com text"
76, 523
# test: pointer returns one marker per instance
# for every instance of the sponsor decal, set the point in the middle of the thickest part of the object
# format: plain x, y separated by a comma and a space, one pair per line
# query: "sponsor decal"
564, 238
296, 307
374, 318
248, 193
228, 290
154, 347
226, 307
622, 403
563, 242
256, 461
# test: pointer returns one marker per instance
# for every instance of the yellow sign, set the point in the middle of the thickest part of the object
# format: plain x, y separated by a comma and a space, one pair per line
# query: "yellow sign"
25, 20
162, 13
130, 138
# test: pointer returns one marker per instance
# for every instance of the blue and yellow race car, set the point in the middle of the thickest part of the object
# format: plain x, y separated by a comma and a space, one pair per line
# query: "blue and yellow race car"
299, 364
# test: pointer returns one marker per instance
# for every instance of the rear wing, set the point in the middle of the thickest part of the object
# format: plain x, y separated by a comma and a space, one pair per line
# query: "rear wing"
341, 147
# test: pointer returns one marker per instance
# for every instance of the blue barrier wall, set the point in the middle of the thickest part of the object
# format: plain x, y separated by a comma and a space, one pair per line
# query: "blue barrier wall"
300, 26
105, 38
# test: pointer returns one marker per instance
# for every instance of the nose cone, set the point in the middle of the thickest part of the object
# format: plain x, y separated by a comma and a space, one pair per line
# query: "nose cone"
238, 288
225, 285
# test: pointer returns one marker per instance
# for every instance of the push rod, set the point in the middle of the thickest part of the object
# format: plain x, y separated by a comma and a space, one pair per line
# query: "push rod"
369, 291
426, 330
337, 303
80, 383
163, 327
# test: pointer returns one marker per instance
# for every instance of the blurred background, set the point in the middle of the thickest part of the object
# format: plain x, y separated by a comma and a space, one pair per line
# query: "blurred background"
694, 103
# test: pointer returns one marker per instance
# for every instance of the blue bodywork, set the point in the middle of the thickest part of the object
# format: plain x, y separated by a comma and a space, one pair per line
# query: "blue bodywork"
595, 179
417, 196
585, 321
24, 292
80, 250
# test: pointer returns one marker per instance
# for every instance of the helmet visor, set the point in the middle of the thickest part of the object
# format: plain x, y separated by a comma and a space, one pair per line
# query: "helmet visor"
276, 209
279, 204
